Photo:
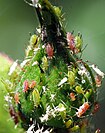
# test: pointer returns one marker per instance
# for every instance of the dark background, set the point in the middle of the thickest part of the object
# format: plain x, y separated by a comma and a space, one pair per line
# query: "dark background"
17, 19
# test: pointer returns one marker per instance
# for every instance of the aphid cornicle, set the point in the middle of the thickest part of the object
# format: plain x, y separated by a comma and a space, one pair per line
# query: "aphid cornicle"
49, 51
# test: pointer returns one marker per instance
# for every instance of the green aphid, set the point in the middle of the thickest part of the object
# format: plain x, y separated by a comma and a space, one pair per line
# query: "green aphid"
36, 97
79, 90
62, 110
78, 42
75, 128
68, 123
88, 93
44, 63
57, 11
33, 40
71, 78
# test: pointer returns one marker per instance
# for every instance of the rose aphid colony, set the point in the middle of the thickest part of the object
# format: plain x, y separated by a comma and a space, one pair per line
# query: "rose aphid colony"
53, 88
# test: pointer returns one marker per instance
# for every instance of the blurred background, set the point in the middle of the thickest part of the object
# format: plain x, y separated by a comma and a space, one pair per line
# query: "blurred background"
18, 19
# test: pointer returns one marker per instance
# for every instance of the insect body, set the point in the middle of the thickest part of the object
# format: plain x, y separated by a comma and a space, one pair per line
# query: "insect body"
25, 86
98, 131
82, 109
49, 51
96, 108
98, 80
70, 40
72, 96
16, 97
78, 42
36, 97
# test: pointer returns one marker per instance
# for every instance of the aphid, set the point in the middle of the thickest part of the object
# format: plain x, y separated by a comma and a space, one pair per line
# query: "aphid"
13, 68
88, 93
75, 128
96, 108
70, 40
62, 81
32, 85
13, 114
82, 109
36, 97
16, 97
62, 110
49, 51
72, 96
33, 40
34, 2
97, 70
44, 63
98, 80
25, 86
98, 131
79, 90
78, 42
68, 123
71, 78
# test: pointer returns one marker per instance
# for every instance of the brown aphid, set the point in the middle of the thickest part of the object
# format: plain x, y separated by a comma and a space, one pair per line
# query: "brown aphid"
49, 51
16, 97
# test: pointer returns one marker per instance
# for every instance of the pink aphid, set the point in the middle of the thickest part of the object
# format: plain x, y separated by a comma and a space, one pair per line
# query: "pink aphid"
70, 40
32, 85
98, 80
96, 108
98, 131
49, 51
25, 86
82, 109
